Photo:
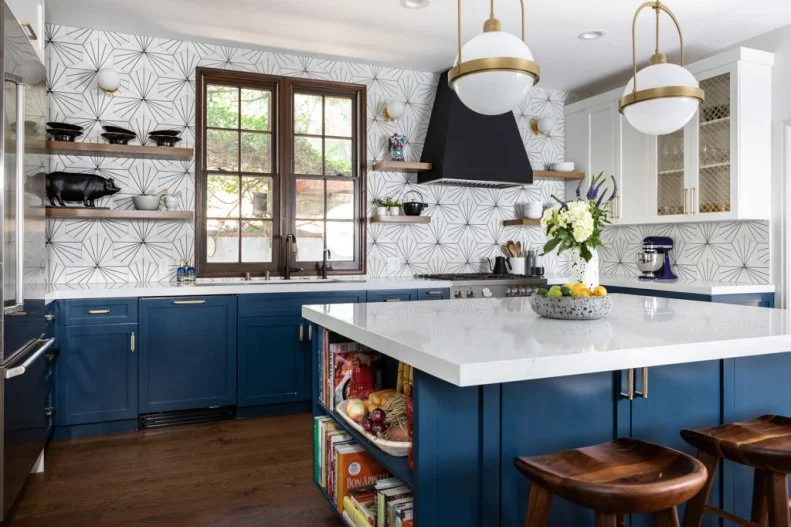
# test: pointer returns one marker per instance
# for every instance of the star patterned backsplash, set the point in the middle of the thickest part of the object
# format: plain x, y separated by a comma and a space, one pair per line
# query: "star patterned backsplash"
158, 91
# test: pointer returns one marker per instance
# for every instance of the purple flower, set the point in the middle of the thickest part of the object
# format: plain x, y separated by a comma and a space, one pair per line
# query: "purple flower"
579, 188
563, 204
614, 189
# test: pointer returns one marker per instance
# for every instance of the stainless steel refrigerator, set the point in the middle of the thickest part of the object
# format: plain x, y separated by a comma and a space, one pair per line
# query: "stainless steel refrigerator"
25, 350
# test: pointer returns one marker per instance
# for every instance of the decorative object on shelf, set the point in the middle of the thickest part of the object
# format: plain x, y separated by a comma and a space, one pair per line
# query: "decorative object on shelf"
397, 144
146, 202
108, 79
85, 188
571, 308
576, 225
118, 138
662, 97
171, 202
562, 166
412, 207
393, 110
534, 210
64, 131
165, 137
380, 206
393, 207
117, 130
493, 70
542, 126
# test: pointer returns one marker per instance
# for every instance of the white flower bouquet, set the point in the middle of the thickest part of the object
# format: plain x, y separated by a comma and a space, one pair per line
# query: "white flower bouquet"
577, 224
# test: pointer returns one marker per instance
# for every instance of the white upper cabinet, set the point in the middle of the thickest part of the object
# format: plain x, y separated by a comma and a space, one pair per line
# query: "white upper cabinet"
717, 168
30, 15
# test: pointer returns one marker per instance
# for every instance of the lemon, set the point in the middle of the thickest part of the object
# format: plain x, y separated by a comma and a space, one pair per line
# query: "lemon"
582, 291
554, 293
569, 285
600, 291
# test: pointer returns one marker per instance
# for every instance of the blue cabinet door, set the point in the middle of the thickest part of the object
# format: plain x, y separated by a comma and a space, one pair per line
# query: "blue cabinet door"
187, 353
96, 372
678, 396
395, 295
272, 360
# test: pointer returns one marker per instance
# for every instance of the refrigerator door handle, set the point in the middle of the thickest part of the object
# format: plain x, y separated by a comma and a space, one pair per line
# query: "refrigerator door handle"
16, 371
20, 202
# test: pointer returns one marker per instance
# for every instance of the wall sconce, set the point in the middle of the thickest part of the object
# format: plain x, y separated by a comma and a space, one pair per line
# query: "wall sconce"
108, 79
393, 110
542, 126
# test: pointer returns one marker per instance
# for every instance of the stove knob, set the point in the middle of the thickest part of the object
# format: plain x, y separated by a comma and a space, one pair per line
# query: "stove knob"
507, 292
457, 294
531, 291
522, 291
486, 292
470, 294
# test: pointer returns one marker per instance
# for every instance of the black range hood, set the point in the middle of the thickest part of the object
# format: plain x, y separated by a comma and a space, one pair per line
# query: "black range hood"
469, 149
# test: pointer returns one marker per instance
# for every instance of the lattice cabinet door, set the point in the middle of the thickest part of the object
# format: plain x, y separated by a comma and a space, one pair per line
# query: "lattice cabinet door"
714, 147
671, 191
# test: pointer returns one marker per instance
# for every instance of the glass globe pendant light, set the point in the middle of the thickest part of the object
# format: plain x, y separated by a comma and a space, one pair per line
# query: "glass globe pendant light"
493, 70
662, 97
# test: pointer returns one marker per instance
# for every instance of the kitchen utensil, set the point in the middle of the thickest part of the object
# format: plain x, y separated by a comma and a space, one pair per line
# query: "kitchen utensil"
563, 166
518, 265
171, 202
537, 271
500, 266
571, 308
411, 206
510, 247
531, 258
534, 210
146, 202
654, 258
118, 138
519, 249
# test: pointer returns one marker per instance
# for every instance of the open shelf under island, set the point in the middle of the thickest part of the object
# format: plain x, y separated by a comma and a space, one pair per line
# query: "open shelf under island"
522, 385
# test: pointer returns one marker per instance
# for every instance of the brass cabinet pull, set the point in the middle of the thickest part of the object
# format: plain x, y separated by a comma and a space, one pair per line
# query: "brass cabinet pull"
310, 332
132, 342
188, 302
49, 318
31, 33
434, 293
98, 311
301, 333
644, 388
629, 385
49, 410
692, 200
392, 299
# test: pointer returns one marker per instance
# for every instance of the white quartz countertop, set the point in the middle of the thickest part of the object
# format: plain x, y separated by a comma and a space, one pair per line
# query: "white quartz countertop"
695, 287
483, 341
234, 287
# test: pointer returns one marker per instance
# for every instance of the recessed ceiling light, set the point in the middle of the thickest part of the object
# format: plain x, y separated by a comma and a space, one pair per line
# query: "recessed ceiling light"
592, 35
415, 4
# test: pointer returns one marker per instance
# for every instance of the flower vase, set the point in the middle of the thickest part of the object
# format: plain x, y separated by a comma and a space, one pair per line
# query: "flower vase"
583, 271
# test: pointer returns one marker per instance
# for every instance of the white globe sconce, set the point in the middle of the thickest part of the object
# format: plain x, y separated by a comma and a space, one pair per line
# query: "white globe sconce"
108, 80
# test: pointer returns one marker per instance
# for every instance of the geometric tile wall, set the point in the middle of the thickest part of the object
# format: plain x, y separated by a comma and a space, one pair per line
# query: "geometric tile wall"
158, 90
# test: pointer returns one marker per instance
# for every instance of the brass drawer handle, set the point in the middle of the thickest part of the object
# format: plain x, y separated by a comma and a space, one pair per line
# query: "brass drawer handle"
310, 332
132, 342
31, 33
392, 299
49, 411
644, 389
301, 333
629, 385
434, 293
188, 302
98, 311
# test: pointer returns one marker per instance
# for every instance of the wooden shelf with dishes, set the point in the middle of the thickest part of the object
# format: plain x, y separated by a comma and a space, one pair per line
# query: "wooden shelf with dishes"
400, 166
118, 214
519, 222
108, 150
401, 219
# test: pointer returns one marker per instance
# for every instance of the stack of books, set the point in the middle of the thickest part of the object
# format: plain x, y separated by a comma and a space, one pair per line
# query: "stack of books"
346, 368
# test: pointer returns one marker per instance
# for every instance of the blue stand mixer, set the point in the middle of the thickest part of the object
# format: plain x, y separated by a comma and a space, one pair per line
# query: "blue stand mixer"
654, 259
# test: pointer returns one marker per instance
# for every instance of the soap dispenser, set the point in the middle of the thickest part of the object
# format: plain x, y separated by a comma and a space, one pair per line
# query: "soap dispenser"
181, 272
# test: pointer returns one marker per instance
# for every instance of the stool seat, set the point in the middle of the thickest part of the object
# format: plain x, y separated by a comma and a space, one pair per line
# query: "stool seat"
763, 443
625, 476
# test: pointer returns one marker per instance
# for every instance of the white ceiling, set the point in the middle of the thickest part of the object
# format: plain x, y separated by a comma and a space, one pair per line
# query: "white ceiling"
381, 31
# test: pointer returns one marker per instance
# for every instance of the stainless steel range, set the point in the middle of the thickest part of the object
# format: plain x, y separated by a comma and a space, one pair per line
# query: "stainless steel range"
485, 285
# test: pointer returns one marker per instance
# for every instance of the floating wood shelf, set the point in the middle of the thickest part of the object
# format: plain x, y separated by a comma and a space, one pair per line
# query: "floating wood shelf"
520, 222
119, 214
108, 150
400, 166
552, 174
401, 219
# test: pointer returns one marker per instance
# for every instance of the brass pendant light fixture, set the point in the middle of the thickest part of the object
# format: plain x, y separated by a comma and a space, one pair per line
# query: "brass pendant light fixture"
493, 70
662, 97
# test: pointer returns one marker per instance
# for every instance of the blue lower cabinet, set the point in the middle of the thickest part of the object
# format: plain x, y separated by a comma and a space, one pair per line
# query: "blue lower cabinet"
272, 360
187, 353
743, 299
437, 293
96, 372
395, 295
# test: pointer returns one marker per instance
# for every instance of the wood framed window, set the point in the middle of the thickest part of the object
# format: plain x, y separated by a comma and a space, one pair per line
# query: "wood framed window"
277, 155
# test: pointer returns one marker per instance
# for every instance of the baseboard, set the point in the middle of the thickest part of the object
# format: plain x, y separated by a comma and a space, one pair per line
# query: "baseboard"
94, 429
273, 409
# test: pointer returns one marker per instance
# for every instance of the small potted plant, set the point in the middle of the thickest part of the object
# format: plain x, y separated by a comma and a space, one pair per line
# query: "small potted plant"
380, 206
393, 207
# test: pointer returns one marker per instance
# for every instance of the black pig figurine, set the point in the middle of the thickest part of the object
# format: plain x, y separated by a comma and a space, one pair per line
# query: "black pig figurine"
78, 187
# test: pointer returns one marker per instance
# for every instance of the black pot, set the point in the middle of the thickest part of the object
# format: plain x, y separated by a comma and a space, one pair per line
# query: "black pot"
413, 208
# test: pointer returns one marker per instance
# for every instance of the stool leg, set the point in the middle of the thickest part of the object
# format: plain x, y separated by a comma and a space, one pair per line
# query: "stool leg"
759, 511
693, 516
666, 518
538, 506
621, 520
606, 519
777, 498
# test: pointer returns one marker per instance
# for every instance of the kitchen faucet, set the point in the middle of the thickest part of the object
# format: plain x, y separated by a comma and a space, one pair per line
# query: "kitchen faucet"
291, 248
325, 265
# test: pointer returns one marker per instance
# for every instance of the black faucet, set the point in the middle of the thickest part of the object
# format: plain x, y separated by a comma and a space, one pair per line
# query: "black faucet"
291, 248
325, 265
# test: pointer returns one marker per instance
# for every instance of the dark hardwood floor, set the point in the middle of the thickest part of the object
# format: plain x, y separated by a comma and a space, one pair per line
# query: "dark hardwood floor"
255, 472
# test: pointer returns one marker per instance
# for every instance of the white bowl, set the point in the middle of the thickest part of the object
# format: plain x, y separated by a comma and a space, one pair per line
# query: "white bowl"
563, 166
146, 202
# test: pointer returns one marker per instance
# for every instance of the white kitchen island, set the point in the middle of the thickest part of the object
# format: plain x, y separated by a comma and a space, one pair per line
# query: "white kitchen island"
493, 381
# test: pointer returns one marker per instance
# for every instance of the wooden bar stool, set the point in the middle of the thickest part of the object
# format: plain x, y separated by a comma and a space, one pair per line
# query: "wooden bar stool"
763, 444
614, 479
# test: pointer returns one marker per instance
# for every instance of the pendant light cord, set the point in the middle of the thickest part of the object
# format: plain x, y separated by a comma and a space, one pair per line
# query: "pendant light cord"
657, 9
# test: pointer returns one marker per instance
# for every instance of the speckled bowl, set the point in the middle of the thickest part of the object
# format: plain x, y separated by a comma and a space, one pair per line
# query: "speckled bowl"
571, 308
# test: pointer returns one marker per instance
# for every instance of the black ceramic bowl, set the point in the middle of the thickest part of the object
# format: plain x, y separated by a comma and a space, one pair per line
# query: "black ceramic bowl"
118, 138
64, 126
116, 129
63, 135
164, 141
165, 133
